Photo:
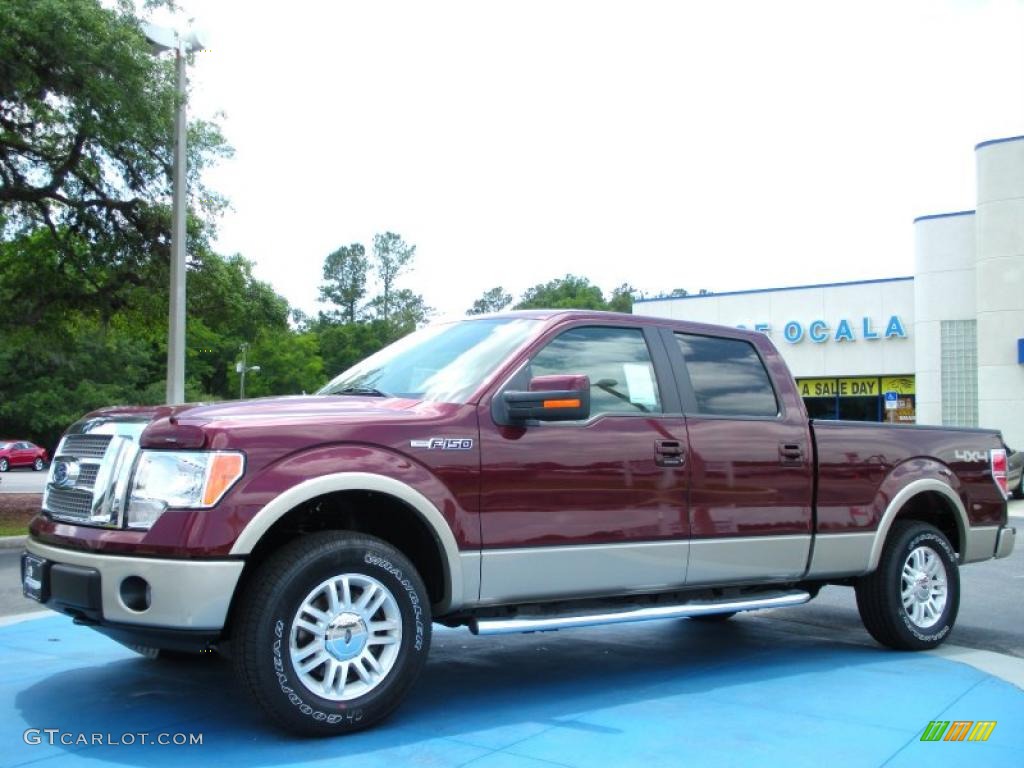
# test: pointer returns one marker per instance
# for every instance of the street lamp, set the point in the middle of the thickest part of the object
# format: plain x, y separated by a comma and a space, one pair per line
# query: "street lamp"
241, 369
165, 39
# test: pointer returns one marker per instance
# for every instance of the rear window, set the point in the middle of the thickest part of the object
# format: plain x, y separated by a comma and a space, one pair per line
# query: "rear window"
728, 377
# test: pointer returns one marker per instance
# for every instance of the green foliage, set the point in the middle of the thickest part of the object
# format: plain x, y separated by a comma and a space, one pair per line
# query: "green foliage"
346, 337
493, 300
86, 119
569, 292
342, 346
63, 355
622, 299
345, 279
53, 375
290, 364
391, 256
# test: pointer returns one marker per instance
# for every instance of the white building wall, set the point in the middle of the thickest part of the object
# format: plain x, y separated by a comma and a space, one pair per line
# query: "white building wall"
944, 257
999, 276
878, 301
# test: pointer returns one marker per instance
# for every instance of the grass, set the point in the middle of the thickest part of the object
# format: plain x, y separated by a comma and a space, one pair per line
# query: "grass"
16, 510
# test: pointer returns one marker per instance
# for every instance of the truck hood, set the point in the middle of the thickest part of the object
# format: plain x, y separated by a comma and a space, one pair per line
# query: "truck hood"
189, 425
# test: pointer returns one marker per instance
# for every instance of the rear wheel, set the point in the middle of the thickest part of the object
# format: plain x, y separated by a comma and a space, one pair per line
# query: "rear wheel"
911, 601
331, 633
4, 465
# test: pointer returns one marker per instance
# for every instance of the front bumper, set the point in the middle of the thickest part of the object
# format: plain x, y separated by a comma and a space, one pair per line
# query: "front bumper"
180, 594
1005, 540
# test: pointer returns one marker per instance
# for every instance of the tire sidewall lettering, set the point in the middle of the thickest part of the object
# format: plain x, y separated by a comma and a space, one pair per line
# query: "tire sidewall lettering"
414, 599
351, 716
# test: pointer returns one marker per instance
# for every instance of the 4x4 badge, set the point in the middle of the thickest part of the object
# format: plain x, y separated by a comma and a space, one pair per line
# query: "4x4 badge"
444, 443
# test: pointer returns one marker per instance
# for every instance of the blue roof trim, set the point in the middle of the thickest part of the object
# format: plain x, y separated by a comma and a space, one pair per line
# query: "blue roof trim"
943, 215
990, 142
773, 290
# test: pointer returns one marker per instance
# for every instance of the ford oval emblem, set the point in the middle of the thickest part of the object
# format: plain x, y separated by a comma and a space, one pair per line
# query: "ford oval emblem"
65, 473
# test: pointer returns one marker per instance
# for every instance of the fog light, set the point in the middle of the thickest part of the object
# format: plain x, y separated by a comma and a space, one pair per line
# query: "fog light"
135, 593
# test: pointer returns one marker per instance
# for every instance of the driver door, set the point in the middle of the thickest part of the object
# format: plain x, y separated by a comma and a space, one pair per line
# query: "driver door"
588, 507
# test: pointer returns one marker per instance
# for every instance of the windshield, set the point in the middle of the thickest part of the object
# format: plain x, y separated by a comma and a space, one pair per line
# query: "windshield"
445, 362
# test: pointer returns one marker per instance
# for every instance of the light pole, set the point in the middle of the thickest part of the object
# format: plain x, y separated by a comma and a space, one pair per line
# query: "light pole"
241, 368
165, 39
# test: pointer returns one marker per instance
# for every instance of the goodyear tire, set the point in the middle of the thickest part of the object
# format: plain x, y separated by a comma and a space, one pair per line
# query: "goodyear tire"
331, 633
911, 601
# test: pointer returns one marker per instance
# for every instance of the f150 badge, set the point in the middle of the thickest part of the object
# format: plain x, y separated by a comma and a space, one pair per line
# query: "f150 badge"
444, 443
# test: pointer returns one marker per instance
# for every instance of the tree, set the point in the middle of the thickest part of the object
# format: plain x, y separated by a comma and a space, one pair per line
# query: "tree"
342, 346
622, 298
290, 364
345, 279
569, 292
86, 116
493, 300
391, 255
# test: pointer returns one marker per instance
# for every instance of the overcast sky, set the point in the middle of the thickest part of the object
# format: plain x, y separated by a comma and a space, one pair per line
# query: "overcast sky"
718, 145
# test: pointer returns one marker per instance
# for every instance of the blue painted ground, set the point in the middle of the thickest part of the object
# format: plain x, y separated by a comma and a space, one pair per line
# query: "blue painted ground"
657, 694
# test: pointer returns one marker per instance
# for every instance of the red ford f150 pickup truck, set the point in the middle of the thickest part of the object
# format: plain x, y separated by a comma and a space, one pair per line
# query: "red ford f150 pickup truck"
514, 472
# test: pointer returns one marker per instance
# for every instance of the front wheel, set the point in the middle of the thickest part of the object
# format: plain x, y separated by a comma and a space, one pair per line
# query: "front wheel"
911, 601
4, 465
38, 465
332, 632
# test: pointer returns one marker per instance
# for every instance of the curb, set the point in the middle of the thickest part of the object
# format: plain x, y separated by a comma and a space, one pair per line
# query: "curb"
12, 542
1002, 665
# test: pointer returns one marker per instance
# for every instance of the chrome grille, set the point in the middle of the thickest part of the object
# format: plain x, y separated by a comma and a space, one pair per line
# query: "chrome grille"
87, 475
89, 472
85, 446
69, 503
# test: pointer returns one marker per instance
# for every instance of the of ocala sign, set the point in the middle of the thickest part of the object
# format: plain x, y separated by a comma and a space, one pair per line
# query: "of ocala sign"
819, 331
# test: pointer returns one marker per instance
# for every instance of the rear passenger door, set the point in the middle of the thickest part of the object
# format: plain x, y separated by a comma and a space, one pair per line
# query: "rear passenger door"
751, 469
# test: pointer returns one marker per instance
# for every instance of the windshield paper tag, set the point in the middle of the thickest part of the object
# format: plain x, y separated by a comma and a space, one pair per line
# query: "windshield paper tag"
444, 443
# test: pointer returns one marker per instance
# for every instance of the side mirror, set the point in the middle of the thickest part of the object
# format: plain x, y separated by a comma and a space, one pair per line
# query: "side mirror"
550, 398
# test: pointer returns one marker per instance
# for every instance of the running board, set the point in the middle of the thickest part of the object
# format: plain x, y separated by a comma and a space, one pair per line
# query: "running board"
506, 626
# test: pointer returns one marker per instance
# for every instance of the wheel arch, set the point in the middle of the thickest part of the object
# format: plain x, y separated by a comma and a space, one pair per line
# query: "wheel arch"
930, 501
329, 493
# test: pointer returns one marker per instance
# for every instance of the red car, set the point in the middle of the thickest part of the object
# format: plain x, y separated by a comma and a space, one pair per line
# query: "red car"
15, 453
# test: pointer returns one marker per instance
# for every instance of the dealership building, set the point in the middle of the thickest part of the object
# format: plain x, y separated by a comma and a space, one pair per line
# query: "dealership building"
943, 346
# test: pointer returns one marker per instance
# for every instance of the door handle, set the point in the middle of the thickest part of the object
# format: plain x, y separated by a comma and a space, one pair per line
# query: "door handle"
669, 453
791, 453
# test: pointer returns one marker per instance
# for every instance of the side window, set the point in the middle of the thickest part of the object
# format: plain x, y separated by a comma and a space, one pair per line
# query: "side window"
616, 360
728, 377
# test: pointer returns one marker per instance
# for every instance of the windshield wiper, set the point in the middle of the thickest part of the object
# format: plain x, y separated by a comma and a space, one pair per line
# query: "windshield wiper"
368, 391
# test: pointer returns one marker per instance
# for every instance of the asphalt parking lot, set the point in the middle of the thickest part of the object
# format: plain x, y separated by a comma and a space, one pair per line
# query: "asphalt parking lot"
789, 688
22, 481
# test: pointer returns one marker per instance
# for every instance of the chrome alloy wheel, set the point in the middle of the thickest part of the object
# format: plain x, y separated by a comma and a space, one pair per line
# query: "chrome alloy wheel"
345, 637
923, 587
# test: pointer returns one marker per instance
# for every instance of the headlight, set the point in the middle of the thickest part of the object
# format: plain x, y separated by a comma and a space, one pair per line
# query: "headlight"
179, 479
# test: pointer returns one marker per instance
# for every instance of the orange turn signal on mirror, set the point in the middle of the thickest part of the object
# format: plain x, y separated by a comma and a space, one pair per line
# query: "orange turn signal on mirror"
561, 403
225, 469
